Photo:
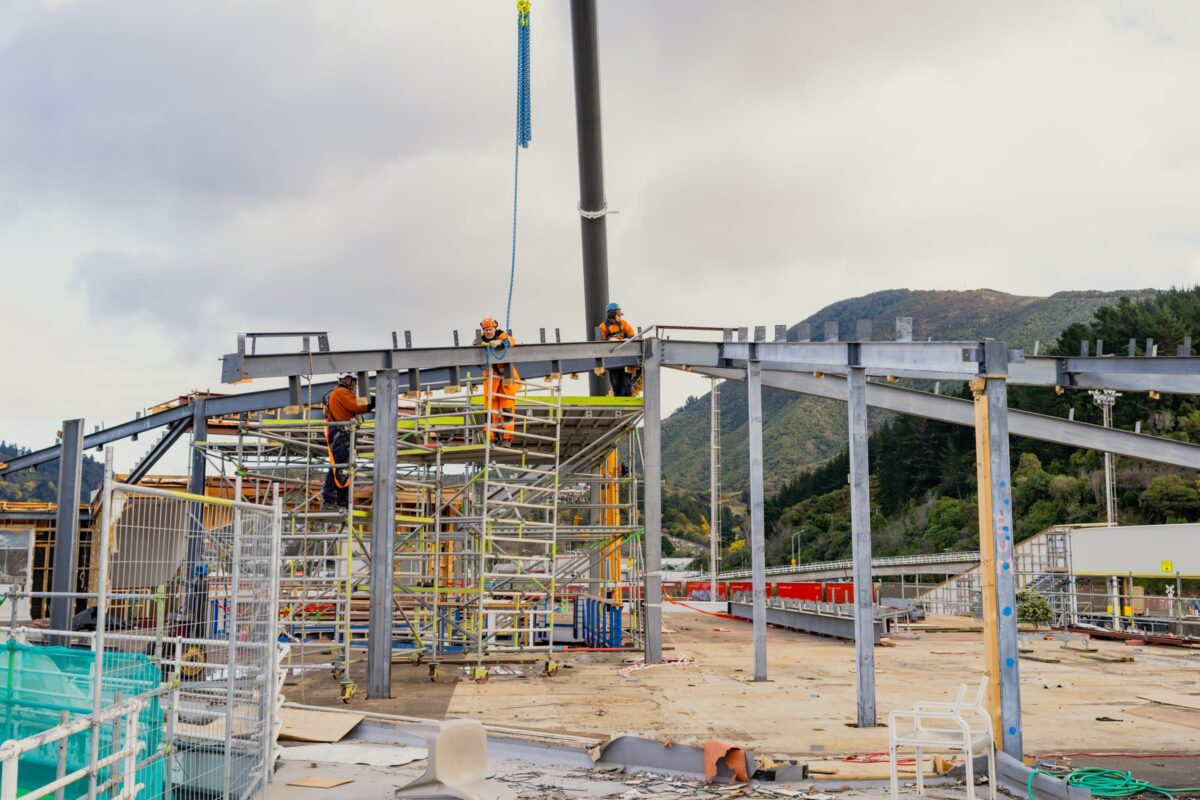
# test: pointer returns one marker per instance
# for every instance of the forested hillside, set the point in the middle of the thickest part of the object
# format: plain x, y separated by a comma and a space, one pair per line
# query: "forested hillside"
923, 491
41, 484
803, 431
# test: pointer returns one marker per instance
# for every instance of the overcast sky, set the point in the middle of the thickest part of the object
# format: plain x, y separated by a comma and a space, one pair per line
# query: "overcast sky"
172, 173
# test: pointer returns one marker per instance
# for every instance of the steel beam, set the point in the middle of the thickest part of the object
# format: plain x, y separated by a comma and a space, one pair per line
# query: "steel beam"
652, 469
860, 525
947, 361
593, 206
811, 621
239, 366
249, 402
758, 539
959, 412
123, 431
174, 433
1180, 375
383, 537
66, 527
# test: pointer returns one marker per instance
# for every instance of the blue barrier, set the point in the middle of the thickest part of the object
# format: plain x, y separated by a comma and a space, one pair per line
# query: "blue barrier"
597, 622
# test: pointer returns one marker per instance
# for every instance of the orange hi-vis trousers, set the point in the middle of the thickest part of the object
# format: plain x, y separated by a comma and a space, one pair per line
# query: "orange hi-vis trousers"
500, 395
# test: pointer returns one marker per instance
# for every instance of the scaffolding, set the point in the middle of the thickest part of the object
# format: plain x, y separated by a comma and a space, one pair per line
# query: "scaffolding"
496, 538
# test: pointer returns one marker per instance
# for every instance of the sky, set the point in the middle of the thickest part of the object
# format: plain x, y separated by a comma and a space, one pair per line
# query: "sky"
175, 172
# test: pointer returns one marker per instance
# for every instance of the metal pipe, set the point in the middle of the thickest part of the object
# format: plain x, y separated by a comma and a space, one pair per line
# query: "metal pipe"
593, 205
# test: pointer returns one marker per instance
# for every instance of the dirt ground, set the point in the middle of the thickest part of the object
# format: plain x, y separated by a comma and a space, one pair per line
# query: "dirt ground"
807, 707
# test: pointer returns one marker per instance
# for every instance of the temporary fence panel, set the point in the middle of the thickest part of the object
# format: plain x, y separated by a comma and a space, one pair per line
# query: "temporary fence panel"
182, 604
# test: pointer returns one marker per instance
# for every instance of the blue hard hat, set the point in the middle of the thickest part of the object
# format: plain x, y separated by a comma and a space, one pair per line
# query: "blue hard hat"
614, 307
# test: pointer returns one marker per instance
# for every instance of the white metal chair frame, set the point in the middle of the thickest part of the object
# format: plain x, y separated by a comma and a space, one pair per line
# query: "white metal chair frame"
960, 737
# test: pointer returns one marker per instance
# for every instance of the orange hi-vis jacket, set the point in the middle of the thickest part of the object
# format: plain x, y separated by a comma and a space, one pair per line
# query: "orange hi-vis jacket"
617, 329
499, 367
343, 406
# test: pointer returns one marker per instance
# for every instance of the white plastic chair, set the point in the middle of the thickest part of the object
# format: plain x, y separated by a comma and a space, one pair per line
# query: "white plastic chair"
951, 729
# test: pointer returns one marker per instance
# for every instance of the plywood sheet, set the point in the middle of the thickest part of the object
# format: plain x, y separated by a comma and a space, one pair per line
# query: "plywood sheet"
327, 727
1187, 717
1191, 701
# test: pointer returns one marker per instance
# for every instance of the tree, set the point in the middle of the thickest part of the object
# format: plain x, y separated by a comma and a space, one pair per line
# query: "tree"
1033, 607
1170, 497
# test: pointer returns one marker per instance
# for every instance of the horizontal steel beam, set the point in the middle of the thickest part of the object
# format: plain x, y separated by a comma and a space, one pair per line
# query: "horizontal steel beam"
961, 412
944, 361
239, 366
85, 515
267, 399
931, 360
1132, 374
807, 621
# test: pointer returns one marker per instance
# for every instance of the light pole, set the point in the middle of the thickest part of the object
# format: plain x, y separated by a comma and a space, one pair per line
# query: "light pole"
795, 548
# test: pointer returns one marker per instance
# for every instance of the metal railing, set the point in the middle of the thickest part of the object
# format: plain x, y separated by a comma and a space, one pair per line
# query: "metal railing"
847, 564
124, 716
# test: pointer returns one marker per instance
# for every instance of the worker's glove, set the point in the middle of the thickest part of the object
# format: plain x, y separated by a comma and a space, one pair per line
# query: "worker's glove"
371, 403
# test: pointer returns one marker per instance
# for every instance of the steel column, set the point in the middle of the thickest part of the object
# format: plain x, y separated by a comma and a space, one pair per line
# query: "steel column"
196, 601
66, 527
383, 537
860, 525
1001, 530
758, 546
652, 467
714, 491
593, 206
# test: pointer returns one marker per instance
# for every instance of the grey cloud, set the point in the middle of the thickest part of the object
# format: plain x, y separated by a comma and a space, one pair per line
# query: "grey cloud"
147, 102
270, 164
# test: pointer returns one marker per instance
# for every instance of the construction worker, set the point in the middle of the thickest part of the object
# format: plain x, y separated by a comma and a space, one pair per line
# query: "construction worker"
341, 405
616, 328
500, 385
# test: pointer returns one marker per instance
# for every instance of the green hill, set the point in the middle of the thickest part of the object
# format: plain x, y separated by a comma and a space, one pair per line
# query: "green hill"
803, 431
41, 483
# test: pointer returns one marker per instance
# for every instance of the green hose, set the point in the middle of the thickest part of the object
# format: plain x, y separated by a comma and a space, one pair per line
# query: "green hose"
1108, 783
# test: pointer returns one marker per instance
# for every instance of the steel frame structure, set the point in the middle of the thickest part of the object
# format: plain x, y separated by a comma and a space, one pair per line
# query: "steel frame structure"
989, 366
831, 369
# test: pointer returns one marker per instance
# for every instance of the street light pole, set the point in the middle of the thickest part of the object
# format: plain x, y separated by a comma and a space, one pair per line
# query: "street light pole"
795, 548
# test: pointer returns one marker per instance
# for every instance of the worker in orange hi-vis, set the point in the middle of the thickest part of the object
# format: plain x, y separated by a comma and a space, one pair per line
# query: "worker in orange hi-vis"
341, 405
616, 328
501, 382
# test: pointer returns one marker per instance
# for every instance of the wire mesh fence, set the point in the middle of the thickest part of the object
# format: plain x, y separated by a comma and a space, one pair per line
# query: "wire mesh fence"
182, 606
